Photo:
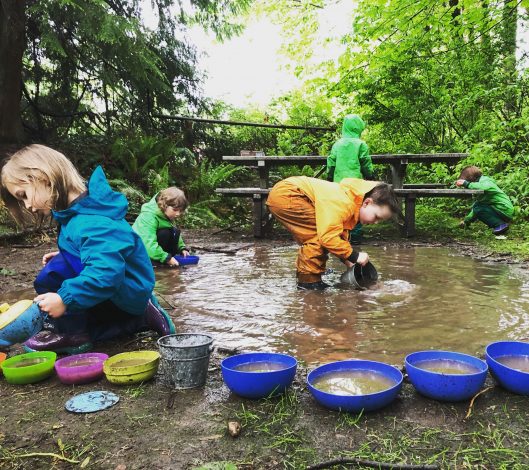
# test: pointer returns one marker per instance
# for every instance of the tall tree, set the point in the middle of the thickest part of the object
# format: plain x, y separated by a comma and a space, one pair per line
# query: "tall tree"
12, 23
93, 66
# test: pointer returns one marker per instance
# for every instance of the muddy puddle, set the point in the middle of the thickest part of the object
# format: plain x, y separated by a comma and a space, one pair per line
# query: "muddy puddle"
426, 297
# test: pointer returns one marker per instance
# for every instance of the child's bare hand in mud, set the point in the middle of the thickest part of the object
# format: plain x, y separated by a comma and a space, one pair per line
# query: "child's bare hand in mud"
51, 303
363, 258
348, 263
185, 253
172, 263
48, 256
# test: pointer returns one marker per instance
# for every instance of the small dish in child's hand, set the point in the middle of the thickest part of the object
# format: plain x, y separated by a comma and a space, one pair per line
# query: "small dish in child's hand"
185, 260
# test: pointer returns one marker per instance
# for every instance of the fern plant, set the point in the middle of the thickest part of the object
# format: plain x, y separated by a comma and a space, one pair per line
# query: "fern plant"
207, 177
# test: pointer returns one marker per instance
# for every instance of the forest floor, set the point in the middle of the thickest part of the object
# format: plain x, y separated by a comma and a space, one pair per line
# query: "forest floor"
153, 427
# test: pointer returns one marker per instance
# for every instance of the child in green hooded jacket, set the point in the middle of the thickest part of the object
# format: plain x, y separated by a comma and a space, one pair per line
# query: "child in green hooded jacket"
350, 158
494, 208
155, 226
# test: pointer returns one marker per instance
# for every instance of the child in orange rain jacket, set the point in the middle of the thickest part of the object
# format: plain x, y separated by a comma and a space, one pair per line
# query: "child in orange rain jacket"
320, 214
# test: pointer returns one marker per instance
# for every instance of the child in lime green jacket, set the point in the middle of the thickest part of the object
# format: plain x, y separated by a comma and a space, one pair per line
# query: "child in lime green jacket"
350, 158
155, 226
493, 208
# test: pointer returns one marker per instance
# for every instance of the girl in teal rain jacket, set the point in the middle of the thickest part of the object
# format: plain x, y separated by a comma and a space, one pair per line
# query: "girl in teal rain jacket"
99, 284
493, 208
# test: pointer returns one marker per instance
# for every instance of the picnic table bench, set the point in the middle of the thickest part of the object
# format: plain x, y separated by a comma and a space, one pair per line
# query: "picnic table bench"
409, 192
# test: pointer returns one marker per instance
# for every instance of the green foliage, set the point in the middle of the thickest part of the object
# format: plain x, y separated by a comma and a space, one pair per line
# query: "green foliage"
135, 196
152, 163
207, 177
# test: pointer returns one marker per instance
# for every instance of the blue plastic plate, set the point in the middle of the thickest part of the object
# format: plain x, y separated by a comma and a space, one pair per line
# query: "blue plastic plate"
185, 260
90, 402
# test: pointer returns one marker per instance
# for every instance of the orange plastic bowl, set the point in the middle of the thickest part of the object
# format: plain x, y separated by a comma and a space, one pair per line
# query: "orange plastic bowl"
2, 359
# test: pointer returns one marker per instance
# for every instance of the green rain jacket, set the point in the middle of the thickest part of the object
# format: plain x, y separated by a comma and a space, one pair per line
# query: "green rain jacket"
150, 220
493, 197
349, 156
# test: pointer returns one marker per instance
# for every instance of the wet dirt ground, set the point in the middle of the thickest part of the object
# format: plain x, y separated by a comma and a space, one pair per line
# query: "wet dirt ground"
153, 427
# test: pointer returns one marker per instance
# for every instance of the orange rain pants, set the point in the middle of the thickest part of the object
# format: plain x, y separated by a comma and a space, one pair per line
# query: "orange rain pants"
296, 212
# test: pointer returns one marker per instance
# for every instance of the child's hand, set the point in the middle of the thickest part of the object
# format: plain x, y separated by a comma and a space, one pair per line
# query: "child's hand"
347, 263
185, 253
51, 303
462, 224
48, 256
172, 263
363, 258
460, 182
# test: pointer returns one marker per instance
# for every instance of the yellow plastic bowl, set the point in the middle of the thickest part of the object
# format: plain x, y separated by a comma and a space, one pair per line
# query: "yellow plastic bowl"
131, 367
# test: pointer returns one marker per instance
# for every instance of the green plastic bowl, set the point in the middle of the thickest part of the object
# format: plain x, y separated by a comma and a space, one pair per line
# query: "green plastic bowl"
39, 367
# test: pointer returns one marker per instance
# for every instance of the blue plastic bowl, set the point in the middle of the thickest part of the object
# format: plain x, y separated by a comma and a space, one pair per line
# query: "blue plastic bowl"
356, 403
258, 384
185, 260
445, 387
514, 380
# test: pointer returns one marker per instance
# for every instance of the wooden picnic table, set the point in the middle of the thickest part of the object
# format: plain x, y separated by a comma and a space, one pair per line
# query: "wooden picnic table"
398, 162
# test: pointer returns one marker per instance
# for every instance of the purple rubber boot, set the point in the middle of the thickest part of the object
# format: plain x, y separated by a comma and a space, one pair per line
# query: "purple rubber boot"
502, 228
62, 343
157, 319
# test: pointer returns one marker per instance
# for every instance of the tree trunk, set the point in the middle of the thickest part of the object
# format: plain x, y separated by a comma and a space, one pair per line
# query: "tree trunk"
12, 43
508, 41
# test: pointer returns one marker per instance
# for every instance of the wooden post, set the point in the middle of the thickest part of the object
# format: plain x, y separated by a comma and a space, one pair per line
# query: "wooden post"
398, 172
409, 215
263, 174
259, 210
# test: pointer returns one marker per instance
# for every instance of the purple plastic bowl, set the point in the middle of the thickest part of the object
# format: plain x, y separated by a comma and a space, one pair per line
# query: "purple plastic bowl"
80, 368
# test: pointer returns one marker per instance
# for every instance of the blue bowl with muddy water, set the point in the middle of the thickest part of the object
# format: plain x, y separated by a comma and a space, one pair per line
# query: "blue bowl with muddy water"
356, 403
446, 386
249, 375
186, 260
20, 322
514, 380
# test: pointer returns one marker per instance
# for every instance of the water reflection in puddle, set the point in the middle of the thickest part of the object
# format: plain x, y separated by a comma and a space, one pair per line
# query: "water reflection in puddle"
425, 298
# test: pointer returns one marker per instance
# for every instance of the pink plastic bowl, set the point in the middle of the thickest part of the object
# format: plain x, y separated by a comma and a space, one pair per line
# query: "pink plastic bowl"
80, 368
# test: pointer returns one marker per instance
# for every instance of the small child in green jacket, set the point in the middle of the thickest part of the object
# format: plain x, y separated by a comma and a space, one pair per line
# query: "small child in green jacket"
493, 208
155, 226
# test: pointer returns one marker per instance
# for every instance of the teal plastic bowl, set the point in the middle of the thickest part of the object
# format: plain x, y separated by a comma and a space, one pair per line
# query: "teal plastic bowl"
29, 368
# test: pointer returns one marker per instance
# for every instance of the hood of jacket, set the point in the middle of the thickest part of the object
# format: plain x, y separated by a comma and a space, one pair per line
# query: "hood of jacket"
353, 126
99, 200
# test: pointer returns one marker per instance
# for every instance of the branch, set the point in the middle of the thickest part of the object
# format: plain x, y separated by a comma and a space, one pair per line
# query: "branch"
370, 464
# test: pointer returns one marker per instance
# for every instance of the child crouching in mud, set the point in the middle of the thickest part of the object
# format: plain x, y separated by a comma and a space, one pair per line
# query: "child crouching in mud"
99, 284
319, 214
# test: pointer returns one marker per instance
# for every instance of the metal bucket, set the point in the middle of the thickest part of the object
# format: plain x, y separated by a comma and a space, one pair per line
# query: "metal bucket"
184, 359
360, 276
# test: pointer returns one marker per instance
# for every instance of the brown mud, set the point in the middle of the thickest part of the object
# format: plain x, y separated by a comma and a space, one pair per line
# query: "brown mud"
153, 427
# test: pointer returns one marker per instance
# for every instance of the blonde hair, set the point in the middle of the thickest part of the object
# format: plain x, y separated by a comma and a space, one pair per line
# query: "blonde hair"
173, 197
36, 164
